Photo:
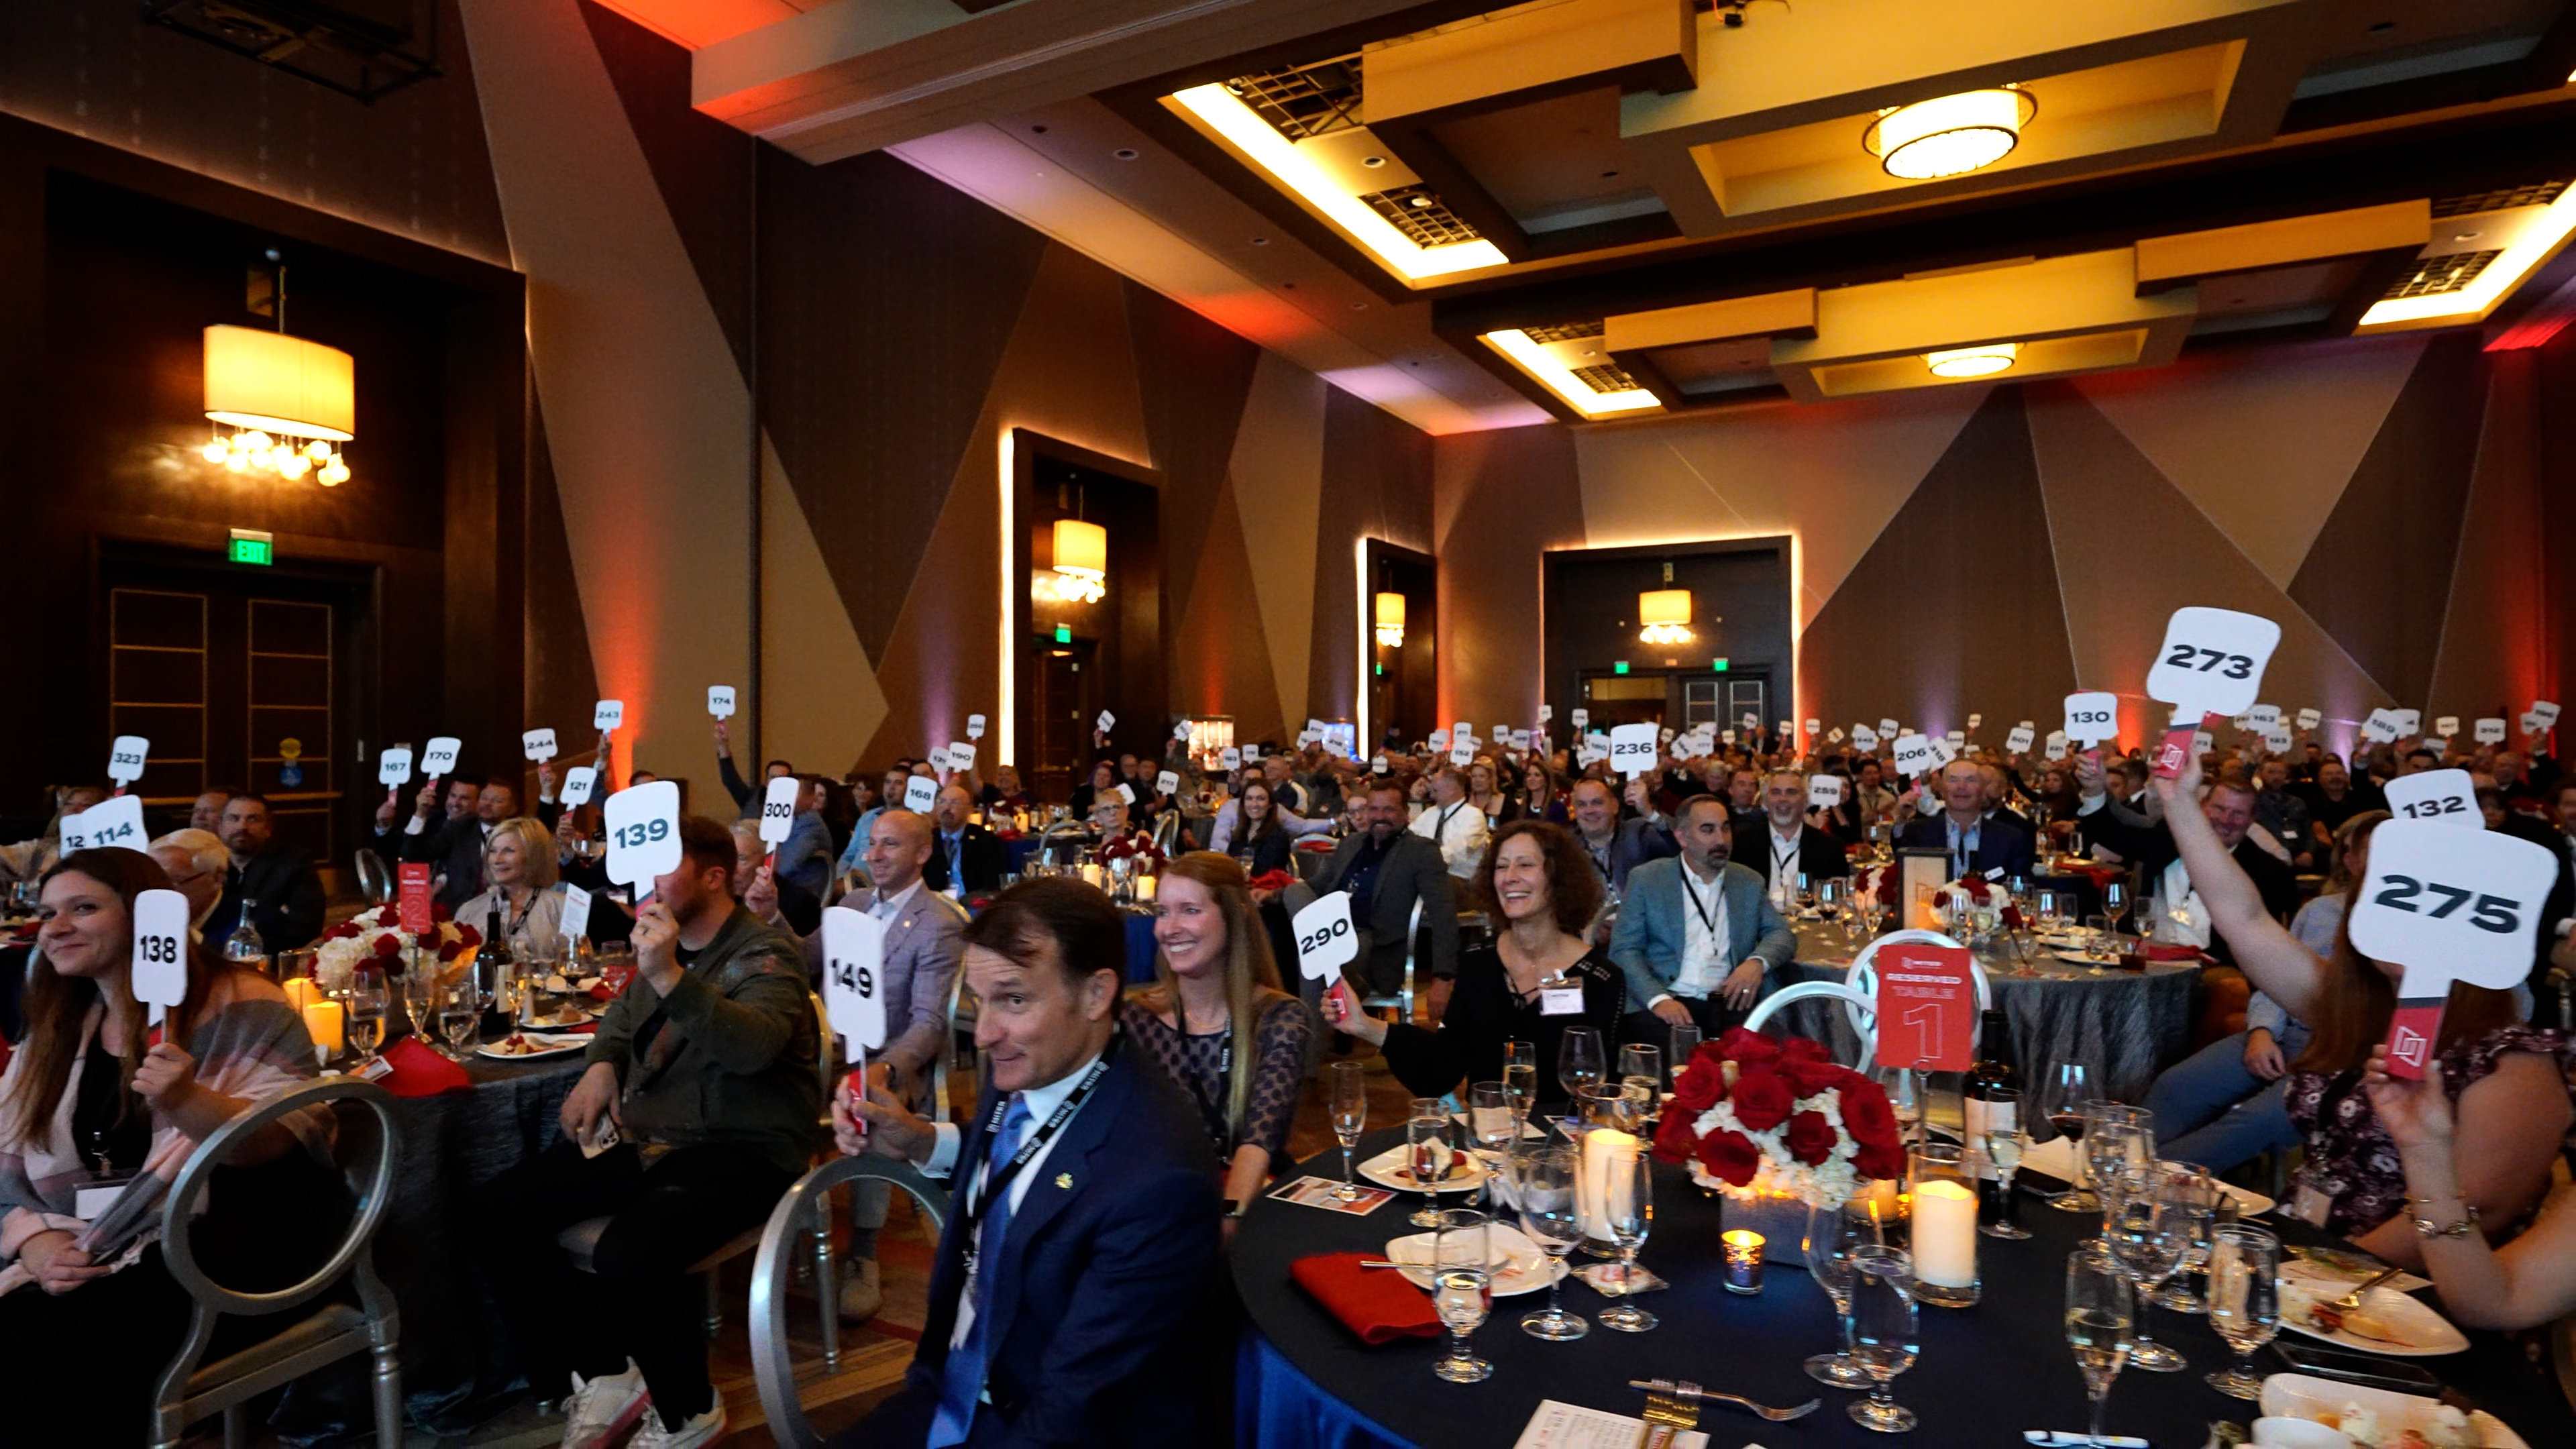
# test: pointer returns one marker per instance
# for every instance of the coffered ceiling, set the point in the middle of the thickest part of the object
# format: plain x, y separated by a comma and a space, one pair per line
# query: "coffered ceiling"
1597, 209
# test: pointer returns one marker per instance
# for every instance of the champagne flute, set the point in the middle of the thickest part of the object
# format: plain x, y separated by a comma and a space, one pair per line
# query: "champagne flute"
1882, 1332
1641, 1077
2147, 1238
1628, 1210
2244, 1301
1491, 1122
2100, 1306
1833, 1234
1350, 1117
2196, 1195
1462, 1277
1552, 1215
1520, 1081
1427, 1155
460, 1014
367, 1005
1579, 1062
2062, 1097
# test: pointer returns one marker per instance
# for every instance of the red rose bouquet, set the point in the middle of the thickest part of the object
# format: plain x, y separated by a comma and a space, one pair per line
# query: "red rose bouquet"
1750, 1113
375, 938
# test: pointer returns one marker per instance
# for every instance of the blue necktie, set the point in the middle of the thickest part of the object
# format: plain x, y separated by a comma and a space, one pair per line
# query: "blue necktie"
962, 1381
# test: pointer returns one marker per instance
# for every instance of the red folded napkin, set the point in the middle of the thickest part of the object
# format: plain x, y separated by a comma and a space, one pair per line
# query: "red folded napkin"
1375, 1303
1273, 880
419, 1072
2165, 951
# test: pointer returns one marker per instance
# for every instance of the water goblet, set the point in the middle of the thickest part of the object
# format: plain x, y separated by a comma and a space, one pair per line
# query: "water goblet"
1427, 1156
1883, 1337
1833, 1235
1350, 1117
1462, 1294
1628, 1210
1545, 1183
2147, 1238
2244, 1301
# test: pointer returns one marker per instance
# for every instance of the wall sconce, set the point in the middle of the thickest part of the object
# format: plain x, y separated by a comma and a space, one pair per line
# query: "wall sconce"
1666, 614
1081, 561
1390, 620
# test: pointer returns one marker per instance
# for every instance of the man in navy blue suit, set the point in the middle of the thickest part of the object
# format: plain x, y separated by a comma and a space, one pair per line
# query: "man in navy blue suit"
1067, 1301
1977, 842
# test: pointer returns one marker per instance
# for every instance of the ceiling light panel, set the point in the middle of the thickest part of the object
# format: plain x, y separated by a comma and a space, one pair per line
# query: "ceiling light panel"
1576, 370
2474, 263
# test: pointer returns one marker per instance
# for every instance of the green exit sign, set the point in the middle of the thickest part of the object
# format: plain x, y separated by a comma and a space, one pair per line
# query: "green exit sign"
1717, 664
1064, 633
1619, 668
250, 546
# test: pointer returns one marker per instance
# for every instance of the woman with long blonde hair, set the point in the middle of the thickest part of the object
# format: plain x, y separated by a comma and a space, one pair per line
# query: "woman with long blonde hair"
1216, 1020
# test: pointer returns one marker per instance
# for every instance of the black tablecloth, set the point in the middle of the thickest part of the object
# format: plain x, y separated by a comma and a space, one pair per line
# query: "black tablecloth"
455, 1351
1986, 1373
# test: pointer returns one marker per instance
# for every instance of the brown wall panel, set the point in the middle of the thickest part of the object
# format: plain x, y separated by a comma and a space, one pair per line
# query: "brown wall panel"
2490, 662
561, 686
1500, 500
1955, 608
1377, 484
1191, 377
1220, 652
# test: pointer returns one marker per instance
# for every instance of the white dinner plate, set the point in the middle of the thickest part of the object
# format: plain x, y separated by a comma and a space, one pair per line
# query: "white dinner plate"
1519, 1265
2056, 1158
1390, 1169
2303, 1396
549, 1044
2427, 1333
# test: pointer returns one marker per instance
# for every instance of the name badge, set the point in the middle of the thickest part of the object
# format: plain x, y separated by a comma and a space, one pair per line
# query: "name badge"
2310, 1206
92, 1202
1560, 1001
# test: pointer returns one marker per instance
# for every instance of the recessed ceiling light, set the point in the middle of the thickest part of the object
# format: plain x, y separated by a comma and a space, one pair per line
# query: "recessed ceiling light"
1421, 203
1261, 241
1372, 161
1125, 153
1980, 361
2465, 236
1949, 135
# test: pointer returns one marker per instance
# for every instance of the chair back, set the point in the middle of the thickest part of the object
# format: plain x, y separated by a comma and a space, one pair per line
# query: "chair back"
375, 882
827, 1051
775, 1265
1401, 999
370, 1178
1862, 1008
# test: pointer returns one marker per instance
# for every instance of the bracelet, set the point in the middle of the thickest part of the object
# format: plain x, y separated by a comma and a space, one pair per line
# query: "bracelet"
2468, 1223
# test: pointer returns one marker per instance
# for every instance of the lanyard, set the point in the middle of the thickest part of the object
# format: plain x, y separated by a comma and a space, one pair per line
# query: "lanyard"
1707, 914
1214, 1115
1440, 831
981, 1200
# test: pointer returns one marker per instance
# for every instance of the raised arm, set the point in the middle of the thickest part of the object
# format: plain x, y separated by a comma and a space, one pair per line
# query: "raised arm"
2265, 950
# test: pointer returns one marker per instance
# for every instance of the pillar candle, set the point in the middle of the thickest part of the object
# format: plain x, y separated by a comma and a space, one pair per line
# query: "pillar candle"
1885, 1201
1945, 1234
1603, 1188
322, 1022
301, 992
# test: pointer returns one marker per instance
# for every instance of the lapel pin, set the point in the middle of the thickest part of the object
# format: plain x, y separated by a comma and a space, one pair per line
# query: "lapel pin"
1064, 1179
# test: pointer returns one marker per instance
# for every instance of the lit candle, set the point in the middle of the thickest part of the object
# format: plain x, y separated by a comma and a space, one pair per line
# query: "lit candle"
1743, 1260
1886, 1200
1145, 889
1603, 1187
322, 1022
1945, 1234
301, 992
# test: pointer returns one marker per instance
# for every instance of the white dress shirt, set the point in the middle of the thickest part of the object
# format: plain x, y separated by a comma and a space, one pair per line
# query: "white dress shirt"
949, 1140
1705, 933
890, 906
1460, 831
1784, 864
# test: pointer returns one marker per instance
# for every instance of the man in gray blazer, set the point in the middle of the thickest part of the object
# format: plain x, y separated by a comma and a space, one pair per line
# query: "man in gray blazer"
1698, 940
1386, 869
921, 956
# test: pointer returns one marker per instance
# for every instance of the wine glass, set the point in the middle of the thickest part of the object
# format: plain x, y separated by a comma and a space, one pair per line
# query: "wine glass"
1427, 1155
1350, 1117
2005, 1139
1641, 1076
2196, 1195
1882, 1333
1833, 1235
2115, 901
460, 1013
1579, 1062
1685, 1045
1462, 1277
1628, 1211
1551, 1214
1905, 1093
2100, 1306
1520, 1080
2061, 1100
1833, 894
2147, 1237
367, 1004
1491, 1123
2244, 1301
2048, 906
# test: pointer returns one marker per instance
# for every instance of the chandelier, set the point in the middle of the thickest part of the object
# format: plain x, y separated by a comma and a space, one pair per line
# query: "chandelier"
1949, 135
1390, 620
1081, 561
279, 403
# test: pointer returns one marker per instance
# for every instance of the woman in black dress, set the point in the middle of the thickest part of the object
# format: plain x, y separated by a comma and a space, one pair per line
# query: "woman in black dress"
1538, 883
1259, 845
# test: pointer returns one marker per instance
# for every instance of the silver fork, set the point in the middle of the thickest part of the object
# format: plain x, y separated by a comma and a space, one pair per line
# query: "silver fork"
1685, 1389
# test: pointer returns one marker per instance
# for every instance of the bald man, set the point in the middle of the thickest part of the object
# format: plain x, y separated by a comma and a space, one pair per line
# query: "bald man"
922, 947
195, 861
965, 858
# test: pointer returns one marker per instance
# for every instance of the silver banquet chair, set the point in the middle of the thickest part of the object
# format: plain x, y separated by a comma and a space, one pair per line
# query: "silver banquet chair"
189, 1391
807, 1208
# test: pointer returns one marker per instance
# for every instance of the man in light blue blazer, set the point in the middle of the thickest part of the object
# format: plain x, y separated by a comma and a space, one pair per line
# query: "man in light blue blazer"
1697, 938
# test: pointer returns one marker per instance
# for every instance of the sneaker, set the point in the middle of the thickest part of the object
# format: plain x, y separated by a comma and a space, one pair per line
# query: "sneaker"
860, 1293
706, 1428
600, 1409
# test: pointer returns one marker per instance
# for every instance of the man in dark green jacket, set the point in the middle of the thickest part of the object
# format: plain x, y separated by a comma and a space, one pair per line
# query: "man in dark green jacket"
696, 1112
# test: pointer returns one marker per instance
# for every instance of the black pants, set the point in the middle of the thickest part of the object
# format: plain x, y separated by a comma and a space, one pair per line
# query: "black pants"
639, 1300
1712, 1014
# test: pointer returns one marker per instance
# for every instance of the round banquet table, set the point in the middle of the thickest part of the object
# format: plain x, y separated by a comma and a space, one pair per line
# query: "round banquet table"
456, 1363
2127, 1025
1985, 1373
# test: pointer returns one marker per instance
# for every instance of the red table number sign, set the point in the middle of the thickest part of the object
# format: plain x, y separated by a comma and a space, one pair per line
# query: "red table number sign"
411, 900
1927, 1007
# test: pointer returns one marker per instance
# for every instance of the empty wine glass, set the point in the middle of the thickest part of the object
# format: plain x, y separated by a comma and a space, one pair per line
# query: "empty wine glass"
1579, 1062
1882, 1333
1628, 1210
2244, 1301
1350, 1118
1833, 1234
1905, 1094
1520, 1080
1462, 1277
2197, 1196
1546, 1181
2100, 1306
2147, 1237
1427, 1156
2006, 1138
460, 1013
1685, 1040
